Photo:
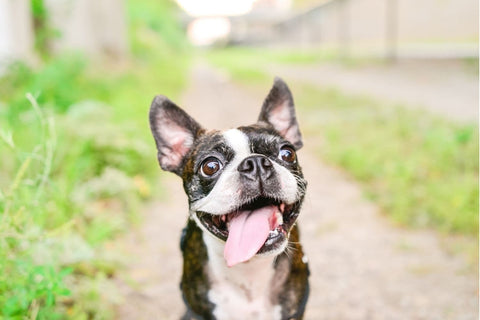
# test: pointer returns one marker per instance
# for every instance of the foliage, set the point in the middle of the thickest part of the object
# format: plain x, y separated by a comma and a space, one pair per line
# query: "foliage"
52, 84
246, 64
27, 287
62, 200
76, 164
154, 23
43, 32
421, 169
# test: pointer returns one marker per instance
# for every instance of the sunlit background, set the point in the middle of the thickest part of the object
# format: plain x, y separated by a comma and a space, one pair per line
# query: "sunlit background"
387, 97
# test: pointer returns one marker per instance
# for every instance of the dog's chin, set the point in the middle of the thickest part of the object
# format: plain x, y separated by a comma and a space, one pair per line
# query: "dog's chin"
277, 240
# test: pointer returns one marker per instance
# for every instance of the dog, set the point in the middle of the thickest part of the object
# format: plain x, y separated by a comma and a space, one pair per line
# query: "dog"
242, 257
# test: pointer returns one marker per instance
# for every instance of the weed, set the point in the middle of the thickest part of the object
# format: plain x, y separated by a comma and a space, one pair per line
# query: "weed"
76, 164
421, 169
28, 287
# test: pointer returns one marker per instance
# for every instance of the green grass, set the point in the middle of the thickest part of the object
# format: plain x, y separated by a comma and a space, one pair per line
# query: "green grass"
422, 170
77, 161
246, 64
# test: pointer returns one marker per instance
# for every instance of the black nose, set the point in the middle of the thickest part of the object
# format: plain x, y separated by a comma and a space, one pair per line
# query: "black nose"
255, 167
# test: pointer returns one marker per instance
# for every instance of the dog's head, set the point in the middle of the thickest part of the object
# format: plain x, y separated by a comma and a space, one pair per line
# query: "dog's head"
244, 185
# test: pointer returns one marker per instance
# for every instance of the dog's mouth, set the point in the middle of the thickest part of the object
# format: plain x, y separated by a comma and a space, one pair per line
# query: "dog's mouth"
259, 226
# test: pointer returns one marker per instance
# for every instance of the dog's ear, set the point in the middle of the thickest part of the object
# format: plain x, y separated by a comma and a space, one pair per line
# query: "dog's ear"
174, 132
278, 110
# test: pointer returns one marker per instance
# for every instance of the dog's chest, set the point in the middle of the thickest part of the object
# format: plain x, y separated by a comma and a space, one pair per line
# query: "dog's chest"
243, 291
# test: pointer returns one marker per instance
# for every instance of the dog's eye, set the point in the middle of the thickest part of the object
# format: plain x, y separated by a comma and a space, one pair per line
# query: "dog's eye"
287, 154
210, 166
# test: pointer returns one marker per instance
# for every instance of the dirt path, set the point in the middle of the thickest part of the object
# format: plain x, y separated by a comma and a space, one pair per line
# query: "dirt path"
361, 266
447, 88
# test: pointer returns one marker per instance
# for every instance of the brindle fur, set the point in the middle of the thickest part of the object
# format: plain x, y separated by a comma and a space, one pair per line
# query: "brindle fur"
289, 284
195, 284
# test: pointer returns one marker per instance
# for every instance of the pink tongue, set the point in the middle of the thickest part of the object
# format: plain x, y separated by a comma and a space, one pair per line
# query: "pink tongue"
247, 233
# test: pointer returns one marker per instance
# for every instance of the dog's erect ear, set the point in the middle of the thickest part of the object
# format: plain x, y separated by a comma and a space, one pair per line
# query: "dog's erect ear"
279, 111
174, 132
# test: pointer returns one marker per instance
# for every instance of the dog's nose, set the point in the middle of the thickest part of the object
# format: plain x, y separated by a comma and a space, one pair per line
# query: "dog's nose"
255, 167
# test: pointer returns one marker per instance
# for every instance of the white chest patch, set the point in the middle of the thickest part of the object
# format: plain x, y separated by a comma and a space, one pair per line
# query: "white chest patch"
243, 291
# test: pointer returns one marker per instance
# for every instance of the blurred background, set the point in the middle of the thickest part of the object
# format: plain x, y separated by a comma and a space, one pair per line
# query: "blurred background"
387, 97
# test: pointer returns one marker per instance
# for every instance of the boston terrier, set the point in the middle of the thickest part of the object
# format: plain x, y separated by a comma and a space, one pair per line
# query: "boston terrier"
242, 257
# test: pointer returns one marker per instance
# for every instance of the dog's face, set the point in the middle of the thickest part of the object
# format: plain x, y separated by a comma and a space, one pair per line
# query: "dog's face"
244, 185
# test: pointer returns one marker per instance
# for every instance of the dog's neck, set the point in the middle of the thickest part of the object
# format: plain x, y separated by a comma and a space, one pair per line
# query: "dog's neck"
246, 287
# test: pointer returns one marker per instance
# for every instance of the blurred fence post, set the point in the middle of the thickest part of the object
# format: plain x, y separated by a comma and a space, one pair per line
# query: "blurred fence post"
391, 29
96, 27
16, 31
343, 28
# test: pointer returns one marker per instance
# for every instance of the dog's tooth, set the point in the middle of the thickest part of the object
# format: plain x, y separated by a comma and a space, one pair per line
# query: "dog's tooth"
274, 233
282, 207
279, 217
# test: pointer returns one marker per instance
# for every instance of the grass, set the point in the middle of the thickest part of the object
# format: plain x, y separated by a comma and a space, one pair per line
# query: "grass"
422, 170
246, 64
76, 164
